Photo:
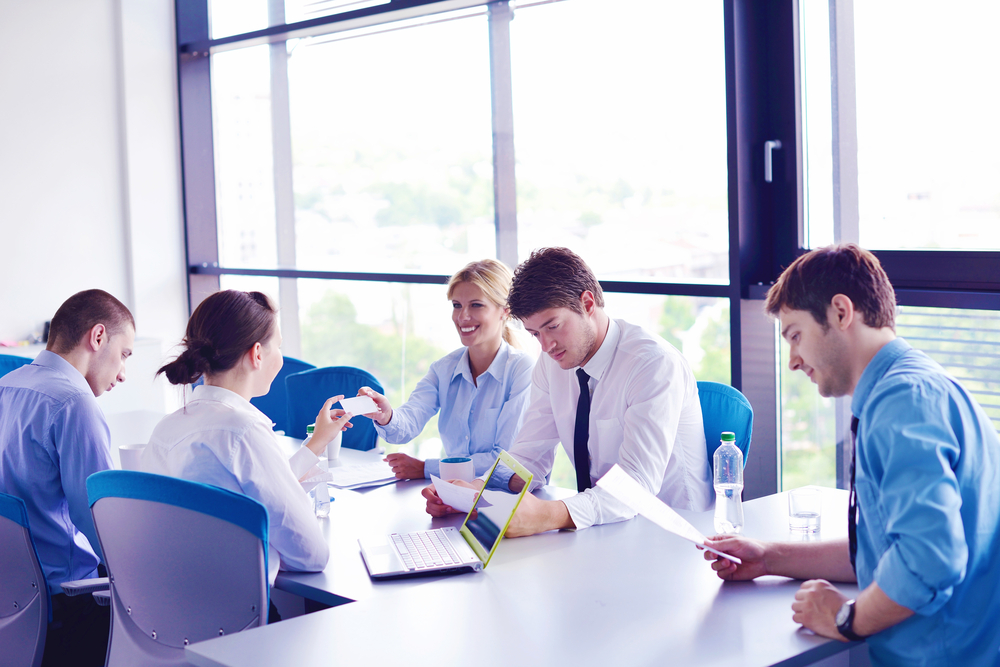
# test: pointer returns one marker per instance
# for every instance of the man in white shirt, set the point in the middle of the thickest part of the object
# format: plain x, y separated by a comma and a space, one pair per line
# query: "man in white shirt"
641, 408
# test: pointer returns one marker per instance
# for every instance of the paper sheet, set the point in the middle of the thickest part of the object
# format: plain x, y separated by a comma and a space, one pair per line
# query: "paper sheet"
360, 475
359, 405
314, 476
618, 483
459, 497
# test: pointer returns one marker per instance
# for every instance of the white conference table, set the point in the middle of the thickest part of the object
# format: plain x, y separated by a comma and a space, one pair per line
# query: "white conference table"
626, 593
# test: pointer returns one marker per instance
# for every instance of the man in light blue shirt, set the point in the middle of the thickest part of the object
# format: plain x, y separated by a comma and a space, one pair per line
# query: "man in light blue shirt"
53, 436
924, 520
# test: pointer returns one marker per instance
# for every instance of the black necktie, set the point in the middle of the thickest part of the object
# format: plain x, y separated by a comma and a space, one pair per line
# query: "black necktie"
581, 434
852, 502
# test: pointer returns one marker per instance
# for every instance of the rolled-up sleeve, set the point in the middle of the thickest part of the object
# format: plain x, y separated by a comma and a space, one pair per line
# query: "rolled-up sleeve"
919, 501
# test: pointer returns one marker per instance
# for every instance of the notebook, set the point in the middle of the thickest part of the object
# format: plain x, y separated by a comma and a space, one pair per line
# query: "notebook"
445, 550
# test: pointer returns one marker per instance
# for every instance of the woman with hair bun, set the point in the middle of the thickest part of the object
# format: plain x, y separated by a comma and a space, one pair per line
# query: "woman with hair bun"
219, 438
481, 389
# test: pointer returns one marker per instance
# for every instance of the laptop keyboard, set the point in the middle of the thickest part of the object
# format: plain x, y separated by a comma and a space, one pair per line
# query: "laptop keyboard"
425, 549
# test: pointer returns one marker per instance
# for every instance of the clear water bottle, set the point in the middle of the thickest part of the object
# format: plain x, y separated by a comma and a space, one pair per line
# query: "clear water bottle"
321, 500
728, 466
309, 435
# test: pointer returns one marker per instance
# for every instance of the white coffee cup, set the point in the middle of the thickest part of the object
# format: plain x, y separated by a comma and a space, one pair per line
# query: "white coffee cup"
458, 467
129, 455
333, 447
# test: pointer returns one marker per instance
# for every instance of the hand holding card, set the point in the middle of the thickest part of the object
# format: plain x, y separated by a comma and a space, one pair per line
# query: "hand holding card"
359, 405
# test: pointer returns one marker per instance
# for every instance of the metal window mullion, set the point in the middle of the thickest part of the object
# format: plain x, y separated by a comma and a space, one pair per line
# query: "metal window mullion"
504, 187
843, 96
846, 210
197, 151
284, 194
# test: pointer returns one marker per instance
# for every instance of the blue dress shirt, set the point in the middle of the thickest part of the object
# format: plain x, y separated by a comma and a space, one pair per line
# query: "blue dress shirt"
476, 421
53, 436
928, 484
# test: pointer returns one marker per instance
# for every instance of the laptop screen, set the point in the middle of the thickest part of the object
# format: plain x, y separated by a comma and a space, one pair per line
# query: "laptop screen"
493, 510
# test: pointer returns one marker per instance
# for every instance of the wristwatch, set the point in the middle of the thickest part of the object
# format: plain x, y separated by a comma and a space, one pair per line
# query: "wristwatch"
845, 622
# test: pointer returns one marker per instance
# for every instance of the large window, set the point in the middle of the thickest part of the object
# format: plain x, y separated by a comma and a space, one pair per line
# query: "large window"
369, 155
621, 150
900, 152
391, 141
921, 89
348, 156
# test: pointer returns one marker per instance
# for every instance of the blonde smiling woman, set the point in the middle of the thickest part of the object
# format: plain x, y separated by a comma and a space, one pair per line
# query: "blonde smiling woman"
481, 389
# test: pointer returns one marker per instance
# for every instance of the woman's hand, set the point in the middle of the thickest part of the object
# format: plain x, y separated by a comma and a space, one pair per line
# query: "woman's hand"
328, 424
405, 467
384, 413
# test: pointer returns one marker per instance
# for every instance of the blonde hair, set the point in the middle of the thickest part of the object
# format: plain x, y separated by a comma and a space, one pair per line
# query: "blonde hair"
493, 278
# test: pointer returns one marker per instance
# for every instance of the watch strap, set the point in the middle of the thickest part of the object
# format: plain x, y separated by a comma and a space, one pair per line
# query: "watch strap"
847, 627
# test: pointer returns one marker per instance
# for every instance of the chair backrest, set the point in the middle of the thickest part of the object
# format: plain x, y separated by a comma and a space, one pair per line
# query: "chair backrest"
274, 403
9, 362
308, 391
24, 597
186, 561
724, 408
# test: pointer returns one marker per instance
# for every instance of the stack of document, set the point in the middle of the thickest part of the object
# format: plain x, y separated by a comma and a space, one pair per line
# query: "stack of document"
361, 475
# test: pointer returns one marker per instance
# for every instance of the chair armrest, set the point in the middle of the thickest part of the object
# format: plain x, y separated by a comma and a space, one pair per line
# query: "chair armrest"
83, 586
102, 598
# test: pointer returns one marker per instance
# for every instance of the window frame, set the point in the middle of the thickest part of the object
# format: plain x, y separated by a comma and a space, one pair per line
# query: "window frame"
766, 219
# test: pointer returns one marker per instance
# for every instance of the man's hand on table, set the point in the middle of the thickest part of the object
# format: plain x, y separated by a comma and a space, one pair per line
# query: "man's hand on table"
817, 600
816, 605
535, 515
751, 552
405, 466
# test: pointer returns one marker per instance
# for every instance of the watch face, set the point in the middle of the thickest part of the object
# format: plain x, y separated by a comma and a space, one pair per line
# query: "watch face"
843, 613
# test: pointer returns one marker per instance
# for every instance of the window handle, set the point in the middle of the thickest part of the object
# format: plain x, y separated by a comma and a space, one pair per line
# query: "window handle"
769, 146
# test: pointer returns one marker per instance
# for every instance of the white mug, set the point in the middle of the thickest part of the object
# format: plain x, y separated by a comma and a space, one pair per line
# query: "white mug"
130, 455
458, 467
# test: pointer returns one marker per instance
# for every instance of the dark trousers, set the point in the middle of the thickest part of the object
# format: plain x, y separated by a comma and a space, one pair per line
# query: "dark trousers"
78, 633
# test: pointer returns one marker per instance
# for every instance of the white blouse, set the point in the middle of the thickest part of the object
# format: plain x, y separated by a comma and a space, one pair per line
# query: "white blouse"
219, 438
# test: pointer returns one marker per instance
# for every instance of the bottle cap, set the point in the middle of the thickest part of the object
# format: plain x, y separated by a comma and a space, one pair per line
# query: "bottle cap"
310, 429
728, 436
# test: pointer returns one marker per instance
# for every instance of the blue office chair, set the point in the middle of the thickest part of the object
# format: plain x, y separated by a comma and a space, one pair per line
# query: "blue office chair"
307, 391
724, 408
274, 403
186, 562
24, 597
9, 362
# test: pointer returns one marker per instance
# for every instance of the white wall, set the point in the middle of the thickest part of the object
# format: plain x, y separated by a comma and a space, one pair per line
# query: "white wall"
90, 191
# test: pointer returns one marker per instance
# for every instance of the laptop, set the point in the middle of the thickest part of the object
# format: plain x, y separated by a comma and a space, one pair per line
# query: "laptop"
446, 550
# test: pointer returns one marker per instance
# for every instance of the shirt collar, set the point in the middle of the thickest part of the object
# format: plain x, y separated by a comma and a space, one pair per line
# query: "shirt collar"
206, 392
57, 363
874, 371
463, 367
602, 358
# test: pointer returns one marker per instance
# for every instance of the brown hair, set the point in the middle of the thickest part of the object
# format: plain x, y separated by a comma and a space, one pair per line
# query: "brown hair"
812, 280
493, 278
221, 330
80, 313
551, 278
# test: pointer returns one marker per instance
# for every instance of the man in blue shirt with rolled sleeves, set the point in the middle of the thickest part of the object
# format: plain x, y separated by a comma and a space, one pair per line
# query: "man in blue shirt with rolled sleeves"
924, 521
53, 436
